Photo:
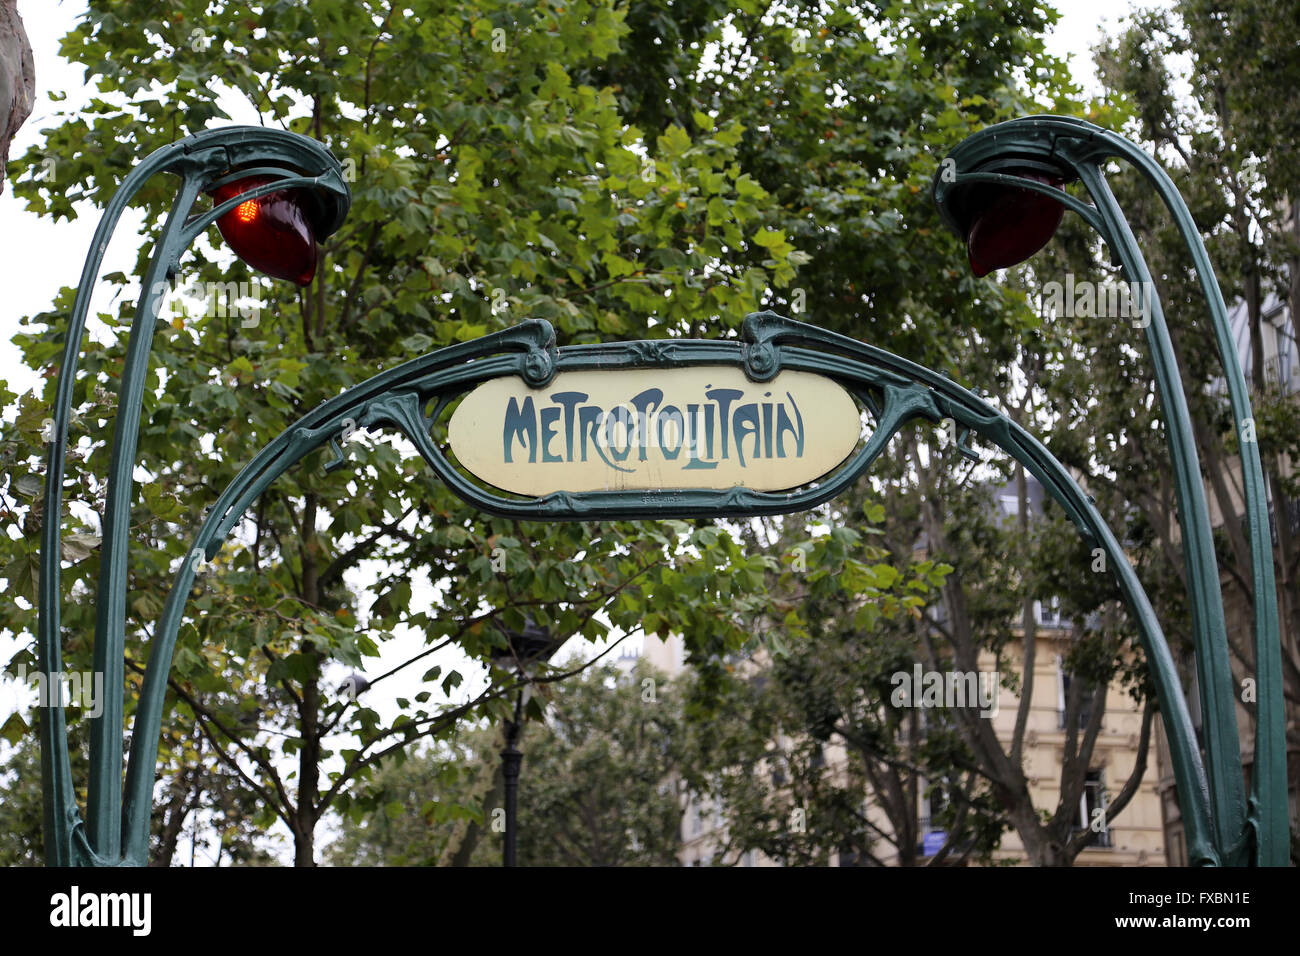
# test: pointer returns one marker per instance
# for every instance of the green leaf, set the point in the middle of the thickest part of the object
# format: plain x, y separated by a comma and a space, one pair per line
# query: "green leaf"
14, 728
78, 547
27, 486
674, 141
617, 265
418, 344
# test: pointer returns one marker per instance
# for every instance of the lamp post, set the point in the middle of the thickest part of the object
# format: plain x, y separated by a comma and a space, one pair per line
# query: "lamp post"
275, 194
524, 650
1002, 192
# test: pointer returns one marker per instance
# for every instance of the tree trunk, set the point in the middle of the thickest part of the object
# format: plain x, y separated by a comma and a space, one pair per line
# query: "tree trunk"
17, 79
174, 815
304, 836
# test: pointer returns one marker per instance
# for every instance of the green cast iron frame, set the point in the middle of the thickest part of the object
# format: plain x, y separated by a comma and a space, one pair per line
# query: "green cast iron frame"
203, 162
1078, 151
411, 398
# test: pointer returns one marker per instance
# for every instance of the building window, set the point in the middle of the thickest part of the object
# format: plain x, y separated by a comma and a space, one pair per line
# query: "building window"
693, 822
1048, 614
938, 613
1092, 808
1175, 854
1063, 695
778, 764
934, 801
933, 804
818, 759
850, 857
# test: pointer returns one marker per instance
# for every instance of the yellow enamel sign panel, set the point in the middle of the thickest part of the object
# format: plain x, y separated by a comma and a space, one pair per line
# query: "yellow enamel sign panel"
654, 429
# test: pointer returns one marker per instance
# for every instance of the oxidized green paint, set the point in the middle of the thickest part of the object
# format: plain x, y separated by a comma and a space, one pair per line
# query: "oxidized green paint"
1078, 150
201, 161
412, 399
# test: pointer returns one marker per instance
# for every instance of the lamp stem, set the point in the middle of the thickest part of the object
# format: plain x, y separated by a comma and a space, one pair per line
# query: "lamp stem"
511, 762
104, 798
1268, 798
62, 818
1209, 628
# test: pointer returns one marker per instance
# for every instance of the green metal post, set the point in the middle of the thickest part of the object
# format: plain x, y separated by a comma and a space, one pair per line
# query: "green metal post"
894, 390
1079, 149
200, 161
104, 794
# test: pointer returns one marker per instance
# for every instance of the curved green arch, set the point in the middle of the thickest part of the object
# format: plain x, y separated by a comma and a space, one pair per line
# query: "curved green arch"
769, 344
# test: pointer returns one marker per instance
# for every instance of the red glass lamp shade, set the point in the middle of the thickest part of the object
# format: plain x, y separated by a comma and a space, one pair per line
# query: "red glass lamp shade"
272, 233
1009, 224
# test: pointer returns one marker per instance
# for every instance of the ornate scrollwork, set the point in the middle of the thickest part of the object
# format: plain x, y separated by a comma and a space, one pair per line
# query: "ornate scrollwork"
762, 361
651, 352
538, 366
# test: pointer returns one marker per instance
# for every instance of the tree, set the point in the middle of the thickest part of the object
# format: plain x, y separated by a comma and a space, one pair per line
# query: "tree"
804, 753
1230, 148
423, 807
197, 798
596, 788
503, 155
17, 78
479, 166
852, 170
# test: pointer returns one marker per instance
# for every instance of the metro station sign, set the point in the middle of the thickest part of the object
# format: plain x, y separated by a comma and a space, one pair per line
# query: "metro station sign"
654, 429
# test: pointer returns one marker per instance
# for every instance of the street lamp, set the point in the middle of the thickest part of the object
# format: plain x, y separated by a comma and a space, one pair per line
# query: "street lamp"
273, 234
283, 192
1002, 192
275, 195
524, 650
